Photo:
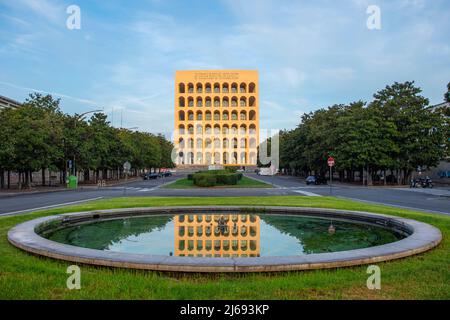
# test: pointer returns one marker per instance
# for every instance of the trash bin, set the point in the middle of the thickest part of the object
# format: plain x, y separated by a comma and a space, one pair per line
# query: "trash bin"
72, 182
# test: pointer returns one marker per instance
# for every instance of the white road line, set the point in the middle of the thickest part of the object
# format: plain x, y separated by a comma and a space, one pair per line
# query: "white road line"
144, 190
48, 207
306, 193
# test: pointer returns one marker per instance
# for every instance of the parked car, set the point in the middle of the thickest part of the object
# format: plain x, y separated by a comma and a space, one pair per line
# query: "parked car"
165, 174
316, 180
149, 176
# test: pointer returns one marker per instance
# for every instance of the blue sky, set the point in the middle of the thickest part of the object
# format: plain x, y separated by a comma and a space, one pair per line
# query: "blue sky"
309, 54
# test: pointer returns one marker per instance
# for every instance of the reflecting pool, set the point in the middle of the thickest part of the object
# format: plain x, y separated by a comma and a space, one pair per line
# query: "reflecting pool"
223, 235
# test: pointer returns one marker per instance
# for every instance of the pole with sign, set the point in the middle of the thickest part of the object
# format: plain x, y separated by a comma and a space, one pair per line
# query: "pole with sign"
331, 164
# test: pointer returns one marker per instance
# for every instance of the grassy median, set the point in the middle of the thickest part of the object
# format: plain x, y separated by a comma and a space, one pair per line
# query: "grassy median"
425, 276
245, 182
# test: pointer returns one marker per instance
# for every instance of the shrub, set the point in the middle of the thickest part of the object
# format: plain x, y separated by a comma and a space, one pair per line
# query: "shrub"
239, 175
204, 180
190, 176
227, 178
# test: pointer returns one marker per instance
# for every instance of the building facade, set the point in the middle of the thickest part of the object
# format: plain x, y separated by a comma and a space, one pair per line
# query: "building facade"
8, 103
216, 235
216, 117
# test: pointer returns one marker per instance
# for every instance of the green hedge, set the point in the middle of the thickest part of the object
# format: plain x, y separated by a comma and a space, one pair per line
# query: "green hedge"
204, 180
212, 178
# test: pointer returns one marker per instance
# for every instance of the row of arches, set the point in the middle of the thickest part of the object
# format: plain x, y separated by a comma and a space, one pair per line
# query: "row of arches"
209, 158
216, 102
217, 129
225, 143
217, 115
217, 87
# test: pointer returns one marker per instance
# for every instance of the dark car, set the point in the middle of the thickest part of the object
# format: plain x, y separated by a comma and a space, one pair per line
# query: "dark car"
316, 180
149, 176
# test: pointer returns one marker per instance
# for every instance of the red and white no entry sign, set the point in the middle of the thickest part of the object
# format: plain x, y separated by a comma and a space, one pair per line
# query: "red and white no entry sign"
330, 161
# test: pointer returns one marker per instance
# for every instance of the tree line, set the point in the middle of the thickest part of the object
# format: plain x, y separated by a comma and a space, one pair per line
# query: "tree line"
386, 139
38, 136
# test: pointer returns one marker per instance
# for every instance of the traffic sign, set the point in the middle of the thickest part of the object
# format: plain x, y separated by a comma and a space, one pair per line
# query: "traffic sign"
330, 161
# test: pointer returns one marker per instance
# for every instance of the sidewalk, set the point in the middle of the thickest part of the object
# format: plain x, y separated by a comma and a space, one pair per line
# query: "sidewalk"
39, 189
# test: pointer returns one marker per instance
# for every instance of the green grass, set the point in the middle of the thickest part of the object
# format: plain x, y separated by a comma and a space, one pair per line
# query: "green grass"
425, 276
245, 182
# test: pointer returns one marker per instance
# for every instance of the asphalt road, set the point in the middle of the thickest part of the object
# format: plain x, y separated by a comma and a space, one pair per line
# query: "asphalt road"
437, 201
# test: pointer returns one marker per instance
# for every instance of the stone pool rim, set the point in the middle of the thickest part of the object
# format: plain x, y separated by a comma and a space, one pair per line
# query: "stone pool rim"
422, 237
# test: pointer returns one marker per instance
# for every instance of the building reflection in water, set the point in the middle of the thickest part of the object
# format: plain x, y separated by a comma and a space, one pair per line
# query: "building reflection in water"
217, 235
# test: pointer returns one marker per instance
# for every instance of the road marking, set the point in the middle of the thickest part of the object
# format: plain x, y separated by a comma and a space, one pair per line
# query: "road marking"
144, 190
306, 193
48, 207
395, 205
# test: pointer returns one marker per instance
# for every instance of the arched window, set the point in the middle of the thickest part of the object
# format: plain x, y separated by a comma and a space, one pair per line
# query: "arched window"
208, 102
225, 116
216, 115
190, 129
208, 129
208, 144
251, 101
190, 143
217, 143
216, 102
243, 157
216, 157
216, 87
234, 102
199, 102
208, 158
252, 143
252, 129
190, 115
243, 102
181, 143
208, 115
234, 115
208, 87
199, 159
226, 143
234, 159
251, 88
225, 158
181, 102
190, 102
243, 143
190, 88
243, 116
235, 143
181, 115
242, 129
181, 88
199, 88
225, 88
181, 129
199, 116
216, 129
243, 88
225, 102
252, 115
225, 129
190, 158
234, 129
234, 87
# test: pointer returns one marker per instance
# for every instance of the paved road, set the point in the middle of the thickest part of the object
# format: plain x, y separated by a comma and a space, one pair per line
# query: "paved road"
438, 202
434, 200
